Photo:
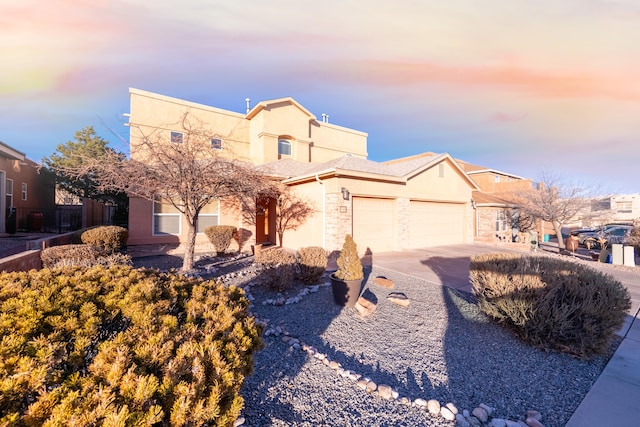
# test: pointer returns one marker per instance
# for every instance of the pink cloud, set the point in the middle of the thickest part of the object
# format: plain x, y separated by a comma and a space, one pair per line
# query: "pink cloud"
500, 117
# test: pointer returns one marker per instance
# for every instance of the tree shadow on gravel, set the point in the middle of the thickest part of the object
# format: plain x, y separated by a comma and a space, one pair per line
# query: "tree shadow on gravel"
487, 364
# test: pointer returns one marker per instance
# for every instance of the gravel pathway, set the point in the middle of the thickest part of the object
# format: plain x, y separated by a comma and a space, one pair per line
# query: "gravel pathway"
439, 347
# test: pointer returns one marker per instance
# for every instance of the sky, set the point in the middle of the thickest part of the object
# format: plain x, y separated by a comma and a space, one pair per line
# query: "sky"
524, 87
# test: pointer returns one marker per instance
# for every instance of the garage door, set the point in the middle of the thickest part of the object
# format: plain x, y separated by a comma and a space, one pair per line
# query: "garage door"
373, 224
433, 224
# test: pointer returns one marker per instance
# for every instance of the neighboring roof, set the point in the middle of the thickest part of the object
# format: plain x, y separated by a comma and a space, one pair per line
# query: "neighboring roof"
10, 152
288, 100
397, 170
475, 169
487, 199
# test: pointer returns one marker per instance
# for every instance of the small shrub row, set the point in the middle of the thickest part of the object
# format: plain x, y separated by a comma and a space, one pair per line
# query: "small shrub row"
120, 346
551, 303
280, 266
81, 256
220, 237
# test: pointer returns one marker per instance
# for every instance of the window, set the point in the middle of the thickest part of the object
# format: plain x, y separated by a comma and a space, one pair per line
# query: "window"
24, 191
9, 194
216, 143
284, 147
501, 220
623, 207
166, 218
176, 137
209, 215
496, 178
441, 170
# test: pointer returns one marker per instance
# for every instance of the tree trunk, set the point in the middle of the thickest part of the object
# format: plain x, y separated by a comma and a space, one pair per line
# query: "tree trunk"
280, 236
558, 228
190, 247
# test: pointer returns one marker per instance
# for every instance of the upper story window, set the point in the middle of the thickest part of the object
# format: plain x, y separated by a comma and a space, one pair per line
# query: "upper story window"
24, 191
216, 143
624, 207
441, 170
176, 137
284, 147
496, 178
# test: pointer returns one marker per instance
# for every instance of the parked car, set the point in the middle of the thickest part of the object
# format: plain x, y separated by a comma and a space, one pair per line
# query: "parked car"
602, 232
616, 234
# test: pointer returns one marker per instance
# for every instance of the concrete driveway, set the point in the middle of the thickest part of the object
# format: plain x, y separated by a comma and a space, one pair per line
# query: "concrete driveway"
449, 266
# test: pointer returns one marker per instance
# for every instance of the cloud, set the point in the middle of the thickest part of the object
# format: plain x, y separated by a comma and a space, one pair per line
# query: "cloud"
500, 117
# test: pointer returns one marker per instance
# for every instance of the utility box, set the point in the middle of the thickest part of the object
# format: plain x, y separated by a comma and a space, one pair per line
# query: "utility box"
629, 256
616, 254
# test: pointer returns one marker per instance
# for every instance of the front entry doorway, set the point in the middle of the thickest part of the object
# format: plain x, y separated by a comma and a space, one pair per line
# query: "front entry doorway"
266, 221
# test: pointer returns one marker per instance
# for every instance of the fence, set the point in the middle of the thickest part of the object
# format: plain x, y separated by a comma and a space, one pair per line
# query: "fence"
62, 218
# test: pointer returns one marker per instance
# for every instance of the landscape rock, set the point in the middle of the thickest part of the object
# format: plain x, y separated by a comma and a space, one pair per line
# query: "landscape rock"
399, 298
532, 422
487, 408
371, 386
433, 406
384, 282
420, 403
452, 408
498, 422
362, 383
481, 414
534, 414
365, 307
461, 422
240, 421
385, 392
447, 414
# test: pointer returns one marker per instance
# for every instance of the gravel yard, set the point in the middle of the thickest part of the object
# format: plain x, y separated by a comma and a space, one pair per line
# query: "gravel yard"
439, 347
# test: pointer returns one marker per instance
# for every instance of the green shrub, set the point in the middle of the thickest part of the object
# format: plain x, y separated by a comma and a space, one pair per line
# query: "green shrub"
278, 268
312, 263
349, 264
220, 236
81, 256
121, 346
551, 303
111, 238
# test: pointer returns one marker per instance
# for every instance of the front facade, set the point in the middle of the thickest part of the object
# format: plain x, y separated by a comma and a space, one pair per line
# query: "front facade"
26, 192
406, 203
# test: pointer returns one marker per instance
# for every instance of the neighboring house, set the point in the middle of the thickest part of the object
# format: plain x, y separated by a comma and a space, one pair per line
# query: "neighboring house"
626, 207
495, 215
26, 192
414, 202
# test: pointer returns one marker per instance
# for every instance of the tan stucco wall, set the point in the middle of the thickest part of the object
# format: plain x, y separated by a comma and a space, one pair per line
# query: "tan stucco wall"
428, 185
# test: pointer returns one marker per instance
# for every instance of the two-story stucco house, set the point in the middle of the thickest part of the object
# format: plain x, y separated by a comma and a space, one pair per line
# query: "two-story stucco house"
406, 203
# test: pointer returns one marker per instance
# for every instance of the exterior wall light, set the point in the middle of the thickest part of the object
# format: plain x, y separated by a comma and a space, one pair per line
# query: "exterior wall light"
345, 193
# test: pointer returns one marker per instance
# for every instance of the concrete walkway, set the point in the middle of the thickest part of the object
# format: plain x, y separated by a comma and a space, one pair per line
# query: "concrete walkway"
614, 399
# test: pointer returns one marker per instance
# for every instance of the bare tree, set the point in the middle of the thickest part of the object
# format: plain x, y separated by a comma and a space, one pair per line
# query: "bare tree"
292, 210
556, 200
186, 173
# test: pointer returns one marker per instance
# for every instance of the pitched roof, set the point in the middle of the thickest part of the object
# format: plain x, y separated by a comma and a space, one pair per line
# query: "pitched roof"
399, 169
287, 100
489, 199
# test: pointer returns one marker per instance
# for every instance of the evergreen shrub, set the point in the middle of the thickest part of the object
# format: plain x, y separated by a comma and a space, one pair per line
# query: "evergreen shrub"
551, 303
278, 268
110, 238
349, 264
312, 263
220, 236
120, 346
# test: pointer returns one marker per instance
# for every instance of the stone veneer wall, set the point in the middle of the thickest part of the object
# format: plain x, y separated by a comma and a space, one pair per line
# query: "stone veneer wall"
403, 224
339, 223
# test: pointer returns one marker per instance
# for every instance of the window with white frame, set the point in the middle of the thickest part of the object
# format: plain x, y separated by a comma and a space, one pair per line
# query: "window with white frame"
501, 220
166, 218
209, 215
284, 147
9, 193
216, 143
496, 178
176, 137
24, 192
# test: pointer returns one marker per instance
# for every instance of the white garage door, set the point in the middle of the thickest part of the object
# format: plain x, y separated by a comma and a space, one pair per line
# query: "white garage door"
433, 224
373, 224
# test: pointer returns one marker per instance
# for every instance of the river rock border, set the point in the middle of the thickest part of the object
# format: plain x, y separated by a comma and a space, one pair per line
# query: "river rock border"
481, 416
